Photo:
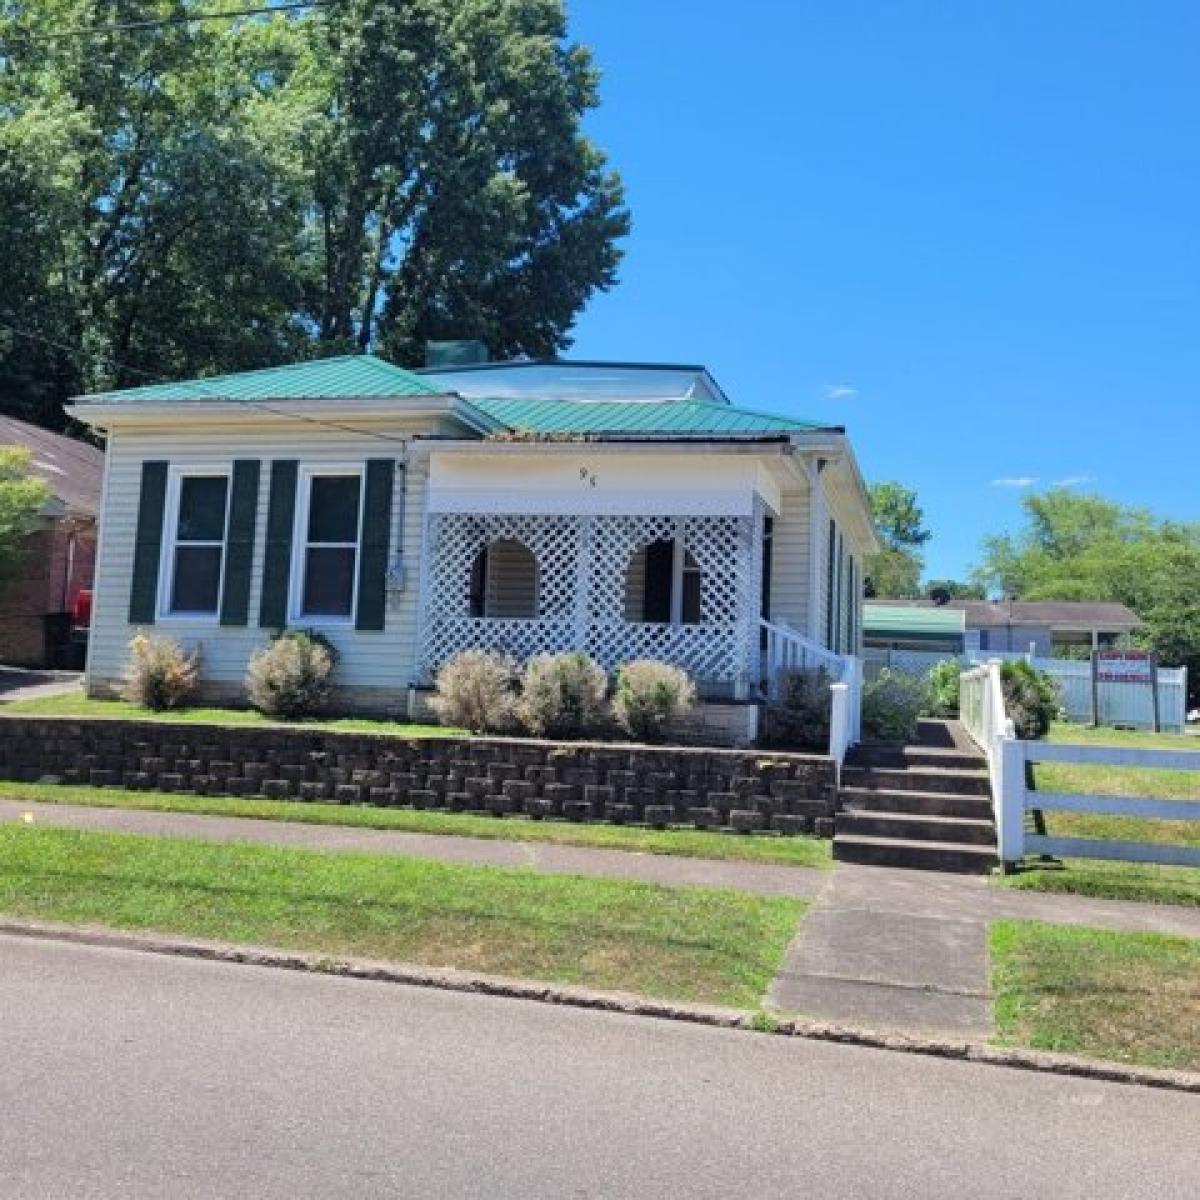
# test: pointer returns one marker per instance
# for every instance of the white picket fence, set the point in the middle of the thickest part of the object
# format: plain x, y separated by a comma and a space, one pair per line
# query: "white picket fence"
983, 715
1119, 703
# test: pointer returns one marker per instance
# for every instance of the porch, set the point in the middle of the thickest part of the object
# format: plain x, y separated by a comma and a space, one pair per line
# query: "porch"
685, 589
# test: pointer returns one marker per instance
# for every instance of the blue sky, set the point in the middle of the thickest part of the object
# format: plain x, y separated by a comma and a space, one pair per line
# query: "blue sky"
968, 231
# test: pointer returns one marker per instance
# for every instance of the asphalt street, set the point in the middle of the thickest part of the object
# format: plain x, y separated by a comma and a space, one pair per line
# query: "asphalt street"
131, 1075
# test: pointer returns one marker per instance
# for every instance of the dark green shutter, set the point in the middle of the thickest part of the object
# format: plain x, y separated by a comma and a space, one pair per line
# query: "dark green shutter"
376, 542
277, 560
143, 593
239, 545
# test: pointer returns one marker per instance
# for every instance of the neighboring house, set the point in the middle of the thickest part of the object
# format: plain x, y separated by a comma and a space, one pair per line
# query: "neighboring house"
626, 510
36, 607
1044, 627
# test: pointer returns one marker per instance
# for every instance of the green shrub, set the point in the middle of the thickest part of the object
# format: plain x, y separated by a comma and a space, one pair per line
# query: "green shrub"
477, 690
160, 674
892, 705
800, 716
1031, 699
944, 683
649, 695
292, 677
562, 695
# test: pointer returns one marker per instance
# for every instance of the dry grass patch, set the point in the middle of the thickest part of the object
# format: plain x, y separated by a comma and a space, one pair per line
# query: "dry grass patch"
1124, 997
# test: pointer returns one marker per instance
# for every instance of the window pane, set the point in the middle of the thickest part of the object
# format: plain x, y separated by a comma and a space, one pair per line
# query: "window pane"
197, 579
202, 508
328, 583
333, 509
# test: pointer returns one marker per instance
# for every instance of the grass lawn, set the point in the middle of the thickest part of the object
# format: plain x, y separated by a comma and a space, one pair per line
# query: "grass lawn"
693, 944
691, 843
1125, 997
1117, 880
76, 704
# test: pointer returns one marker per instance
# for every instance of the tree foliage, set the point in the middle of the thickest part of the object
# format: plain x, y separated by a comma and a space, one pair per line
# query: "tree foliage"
222, 195
896, 571
1084, 547
22, 498
956, 589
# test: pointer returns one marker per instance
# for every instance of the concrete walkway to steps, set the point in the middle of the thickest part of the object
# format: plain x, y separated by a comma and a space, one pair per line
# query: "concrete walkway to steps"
881, 947
908, 949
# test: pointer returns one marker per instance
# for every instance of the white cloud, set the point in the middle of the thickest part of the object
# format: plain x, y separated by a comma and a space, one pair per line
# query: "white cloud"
1072, 481
840, 391
1015, 481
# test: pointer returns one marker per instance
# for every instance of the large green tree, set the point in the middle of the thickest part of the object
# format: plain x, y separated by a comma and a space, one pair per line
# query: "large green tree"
895, 572
1084, 547
204, 196
23, 496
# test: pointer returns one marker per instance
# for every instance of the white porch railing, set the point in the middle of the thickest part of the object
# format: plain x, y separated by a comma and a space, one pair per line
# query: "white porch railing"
982, 714
787, 649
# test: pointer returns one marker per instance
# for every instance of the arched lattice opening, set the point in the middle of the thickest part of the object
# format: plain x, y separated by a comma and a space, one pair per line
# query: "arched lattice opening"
504, 581
663, 585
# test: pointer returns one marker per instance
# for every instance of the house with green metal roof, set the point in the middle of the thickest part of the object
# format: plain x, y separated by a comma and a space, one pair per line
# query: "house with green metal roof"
629, 510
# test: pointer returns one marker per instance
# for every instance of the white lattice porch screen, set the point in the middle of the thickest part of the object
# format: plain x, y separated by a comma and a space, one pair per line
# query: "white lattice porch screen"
583, 563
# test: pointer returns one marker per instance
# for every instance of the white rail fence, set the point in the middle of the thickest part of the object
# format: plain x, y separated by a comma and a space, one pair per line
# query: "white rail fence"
786, 649
983, 716
1118, 703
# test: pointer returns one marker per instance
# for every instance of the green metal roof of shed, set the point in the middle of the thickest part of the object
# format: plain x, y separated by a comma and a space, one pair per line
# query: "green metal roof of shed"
321, 379
912, 621
633, 417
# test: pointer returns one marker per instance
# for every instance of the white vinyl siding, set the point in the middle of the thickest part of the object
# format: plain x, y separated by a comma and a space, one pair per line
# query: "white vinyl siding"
790, 562
385, 659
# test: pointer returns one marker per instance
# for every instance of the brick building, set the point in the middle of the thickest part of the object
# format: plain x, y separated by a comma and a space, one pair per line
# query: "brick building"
36, 606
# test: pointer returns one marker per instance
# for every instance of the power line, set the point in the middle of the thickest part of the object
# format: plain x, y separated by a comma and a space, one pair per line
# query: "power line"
209, 392
165, 22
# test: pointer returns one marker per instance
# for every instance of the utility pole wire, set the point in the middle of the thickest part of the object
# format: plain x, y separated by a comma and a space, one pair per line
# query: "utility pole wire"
165, 22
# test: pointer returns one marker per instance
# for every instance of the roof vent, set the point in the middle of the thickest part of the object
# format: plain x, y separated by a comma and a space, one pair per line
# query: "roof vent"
455, 354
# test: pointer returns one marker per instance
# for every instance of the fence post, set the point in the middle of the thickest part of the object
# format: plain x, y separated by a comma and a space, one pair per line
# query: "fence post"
839, 723
1010, 800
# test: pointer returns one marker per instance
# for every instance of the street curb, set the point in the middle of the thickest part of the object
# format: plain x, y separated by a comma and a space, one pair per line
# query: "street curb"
451, 980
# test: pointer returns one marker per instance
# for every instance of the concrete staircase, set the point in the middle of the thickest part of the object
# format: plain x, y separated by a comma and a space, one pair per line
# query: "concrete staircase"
926, 806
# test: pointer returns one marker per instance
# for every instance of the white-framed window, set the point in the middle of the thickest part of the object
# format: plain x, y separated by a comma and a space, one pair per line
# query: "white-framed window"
327, 542
196, 529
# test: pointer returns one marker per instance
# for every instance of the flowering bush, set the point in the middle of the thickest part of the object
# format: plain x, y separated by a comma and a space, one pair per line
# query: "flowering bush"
649, 695
160, 674
292, 676
562, 695
476, 690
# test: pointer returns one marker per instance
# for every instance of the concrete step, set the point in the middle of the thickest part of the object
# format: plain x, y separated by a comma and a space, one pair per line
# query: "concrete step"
916, 827
918, 779
904, 757
933, 804
914, 855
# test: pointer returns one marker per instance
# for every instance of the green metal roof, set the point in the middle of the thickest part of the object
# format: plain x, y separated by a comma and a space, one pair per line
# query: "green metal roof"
633, 417
321, 379
360, 375
912, 621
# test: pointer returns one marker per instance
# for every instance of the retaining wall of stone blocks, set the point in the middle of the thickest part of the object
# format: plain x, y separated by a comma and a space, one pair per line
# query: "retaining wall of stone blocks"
747, 791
